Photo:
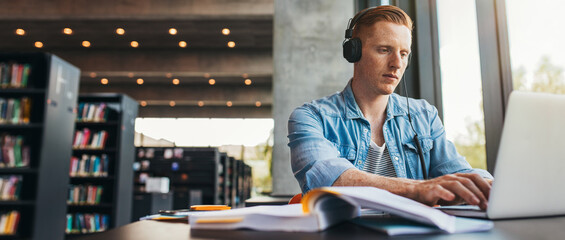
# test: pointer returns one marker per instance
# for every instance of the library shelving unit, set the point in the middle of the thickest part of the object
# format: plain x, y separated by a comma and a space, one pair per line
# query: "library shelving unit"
38, 95
101, 176
198, 175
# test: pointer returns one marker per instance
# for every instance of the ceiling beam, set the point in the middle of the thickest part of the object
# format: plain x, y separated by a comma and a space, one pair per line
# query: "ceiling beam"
204, 112
127, 9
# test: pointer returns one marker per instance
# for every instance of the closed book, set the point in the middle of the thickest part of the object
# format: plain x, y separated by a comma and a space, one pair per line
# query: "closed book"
25, 113
18, 151
25, 75
15, 222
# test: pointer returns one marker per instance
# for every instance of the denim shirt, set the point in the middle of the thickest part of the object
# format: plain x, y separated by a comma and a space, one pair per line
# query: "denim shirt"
330, 135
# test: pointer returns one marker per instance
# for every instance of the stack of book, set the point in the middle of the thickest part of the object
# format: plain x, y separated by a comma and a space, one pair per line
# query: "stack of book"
86, 223
9, 222
13, 151
92, 112
10, 187
85, 194
89, 166
14, 75
15, 110
86, 139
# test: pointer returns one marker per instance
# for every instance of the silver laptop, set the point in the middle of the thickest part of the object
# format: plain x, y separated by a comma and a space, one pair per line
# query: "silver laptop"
530, 167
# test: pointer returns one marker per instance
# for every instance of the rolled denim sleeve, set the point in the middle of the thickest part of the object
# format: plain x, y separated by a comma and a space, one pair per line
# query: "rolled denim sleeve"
315, 161
444, 158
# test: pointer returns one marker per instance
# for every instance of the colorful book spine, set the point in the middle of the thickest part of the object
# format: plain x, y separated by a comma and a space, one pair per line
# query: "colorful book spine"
89, 166
92, 112
85, 194
9, 222
14, 75
86, 222
86, 139
15, 110
14, 152
10, 187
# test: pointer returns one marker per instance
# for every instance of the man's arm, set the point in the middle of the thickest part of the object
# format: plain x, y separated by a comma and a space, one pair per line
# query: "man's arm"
452, 188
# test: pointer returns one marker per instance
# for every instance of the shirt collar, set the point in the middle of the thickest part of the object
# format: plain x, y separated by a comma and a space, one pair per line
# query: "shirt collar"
395, 107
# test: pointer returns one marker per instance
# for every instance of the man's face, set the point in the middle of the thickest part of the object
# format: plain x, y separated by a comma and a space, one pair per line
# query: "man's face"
386, 47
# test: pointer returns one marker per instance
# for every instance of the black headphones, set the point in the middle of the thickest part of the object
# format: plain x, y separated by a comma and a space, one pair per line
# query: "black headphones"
352, 46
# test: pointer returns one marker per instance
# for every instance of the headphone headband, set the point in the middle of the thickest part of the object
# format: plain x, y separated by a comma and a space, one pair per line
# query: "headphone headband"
353, 22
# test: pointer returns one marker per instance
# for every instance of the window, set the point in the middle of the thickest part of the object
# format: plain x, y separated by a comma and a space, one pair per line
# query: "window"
463, 113
536, 45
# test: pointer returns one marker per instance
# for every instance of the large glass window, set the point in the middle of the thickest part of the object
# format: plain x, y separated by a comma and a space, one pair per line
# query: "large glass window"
463, 114
536, 36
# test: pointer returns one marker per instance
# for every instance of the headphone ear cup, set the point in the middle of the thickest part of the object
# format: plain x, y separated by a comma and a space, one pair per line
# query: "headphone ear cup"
352, 50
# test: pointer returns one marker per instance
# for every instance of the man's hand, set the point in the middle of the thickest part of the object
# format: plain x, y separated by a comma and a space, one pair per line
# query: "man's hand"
453, 189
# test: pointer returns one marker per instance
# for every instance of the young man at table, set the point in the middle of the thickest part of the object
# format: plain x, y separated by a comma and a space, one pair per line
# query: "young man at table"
366, 135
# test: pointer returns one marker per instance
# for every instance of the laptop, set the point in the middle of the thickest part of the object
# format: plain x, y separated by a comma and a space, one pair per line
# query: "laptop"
530, 166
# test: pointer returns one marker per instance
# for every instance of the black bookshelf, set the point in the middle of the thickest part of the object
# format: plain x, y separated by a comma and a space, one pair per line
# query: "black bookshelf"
51, 91
115, 201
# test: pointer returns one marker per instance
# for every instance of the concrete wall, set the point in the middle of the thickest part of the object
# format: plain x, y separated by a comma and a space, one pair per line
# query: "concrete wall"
308, 64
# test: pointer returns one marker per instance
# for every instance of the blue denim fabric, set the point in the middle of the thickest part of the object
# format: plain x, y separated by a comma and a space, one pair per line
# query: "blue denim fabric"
330, 135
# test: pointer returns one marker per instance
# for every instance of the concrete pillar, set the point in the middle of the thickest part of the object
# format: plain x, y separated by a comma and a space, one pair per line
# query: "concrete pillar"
308, 64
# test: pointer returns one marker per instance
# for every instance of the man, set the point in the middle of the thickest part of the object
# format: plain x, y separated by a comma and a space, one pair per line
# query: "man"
362, 136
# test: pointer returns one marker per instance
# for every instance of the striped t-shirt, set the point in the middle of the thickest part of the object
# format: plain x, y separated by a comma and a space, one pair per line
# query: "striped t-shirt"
378, 161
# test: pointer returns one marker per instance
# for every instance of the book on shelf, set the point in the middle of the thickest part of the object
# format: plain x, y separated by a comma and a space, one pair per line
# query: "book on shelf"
9, 222
86, 139
10, 187
86, 223
324, 207
14, 75
85, 194
92, 112
89, 166
15, 110
13, 151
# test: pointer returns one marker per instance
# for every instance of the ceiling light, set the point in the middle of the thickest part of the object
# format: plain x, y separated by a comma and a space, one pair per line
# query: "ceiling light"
176, 81
229, 103
231, 44
104, 81
245, 75
92, 74
134, 44
67, 31
200, 103
38, 44
226, 31
206, 75
212, 81
20, 32
143, 103
172, 103
258, 104
130, 74
173, 31
182, 44
248, 81
168, 75
140, 81
120, 31
85, 43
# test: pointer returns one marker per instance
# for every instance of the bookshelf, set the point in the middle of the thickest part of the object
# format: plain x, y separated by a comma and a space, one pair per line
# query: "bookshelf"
101, 176
199, 175
38, 94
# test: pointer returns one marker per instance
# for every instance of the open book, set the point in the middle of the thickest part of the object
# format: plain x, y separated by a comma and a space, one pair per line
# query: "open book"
324, 207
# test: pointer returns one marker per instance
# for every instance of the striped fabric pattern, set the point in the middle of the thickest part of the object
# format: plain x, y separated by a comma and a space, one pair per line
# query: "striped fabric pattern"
379, 162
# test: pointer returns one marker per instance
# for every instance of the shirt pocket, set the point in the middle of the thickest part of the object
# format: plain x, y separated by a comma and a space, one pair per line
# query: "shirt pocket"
426, 143
347, 152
